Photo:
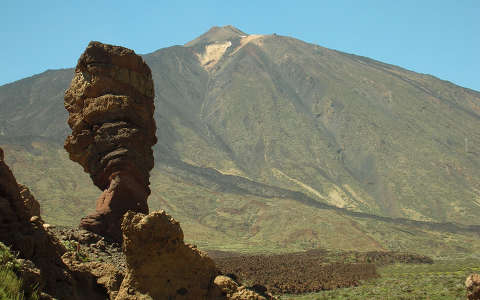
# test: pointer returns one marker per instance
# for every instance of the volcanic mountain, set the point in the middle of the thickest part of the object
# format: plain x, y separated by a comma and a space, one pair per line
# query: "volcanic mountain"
265, 141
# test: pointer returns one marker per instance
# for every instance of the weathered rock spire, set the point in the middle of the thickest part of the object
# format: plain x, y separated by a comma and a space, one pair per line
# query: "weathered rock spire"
110, 105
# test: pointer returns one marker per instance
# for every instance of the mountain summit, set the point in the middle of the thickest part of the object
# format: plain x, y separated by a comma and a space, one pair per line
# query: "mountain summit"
218, 34
254, 130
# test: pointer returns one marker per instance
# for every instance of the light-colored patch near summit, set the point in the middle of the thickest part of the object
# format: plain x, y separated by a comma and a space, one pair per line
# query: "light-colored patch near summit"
255, 38
212, 54
277, 172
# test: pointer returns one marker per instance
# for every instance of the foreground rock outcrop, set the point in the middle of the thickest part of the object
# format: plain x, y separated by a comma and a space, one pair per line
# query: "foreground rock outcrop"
159, 263
165, 258
24, 233
161, 266
110, 105
40, 253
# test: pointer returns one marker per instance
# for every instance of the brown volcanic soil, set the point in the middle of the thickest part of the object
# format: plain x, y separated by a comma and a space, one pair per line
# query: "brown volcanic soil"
311, 271
292, 273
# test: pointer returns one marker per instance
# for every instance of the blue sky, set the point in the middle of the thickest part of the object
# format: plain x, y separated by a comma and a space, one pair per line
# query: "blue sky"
439, 37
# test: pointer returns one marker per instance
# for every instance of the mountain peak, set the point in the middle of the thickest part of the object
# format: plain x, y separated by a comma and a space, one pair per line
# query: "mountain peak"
218, 34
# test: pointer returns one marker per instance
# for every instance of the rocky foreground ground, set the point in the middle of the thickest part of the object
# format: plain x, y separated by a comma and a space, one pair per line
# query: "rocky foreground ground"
292, 273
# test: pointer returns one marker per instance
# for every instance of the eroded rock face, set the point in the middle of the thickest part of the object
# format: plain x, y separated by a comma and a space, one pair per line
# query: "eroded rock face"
473, 287
21, 228
160, 264
110, 105
31, 205
12, 213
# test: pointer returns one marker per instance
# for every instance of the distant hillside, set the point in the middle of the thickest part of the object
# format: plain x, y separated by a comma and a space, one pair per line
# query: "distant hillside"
255, 130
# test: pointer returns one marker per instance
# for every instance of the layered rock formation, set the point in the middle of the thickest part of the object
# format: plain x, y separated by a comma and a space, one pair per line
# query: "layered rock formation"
110, 105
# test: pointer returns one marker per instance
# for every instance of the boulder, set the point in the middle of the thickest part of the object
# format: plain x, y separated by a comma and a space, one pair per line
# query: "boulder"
159, 264
110, 106
226, 284
230, 290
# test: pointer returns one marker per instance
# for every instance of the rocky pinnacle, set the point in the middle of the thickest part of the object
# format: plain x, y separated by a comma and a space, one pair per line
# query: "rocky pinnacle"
110, 105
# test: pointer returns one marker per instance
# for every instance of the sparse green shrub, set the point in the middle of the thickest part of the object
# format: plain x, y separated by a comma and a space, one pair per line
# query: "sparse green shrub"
10, 283
443, 280
74, 246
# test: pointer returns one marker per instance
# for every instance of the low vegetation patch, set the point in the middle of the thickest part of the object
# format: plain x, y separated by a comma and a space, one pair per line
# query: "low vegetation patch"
443, 280
11, 287
74, 247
